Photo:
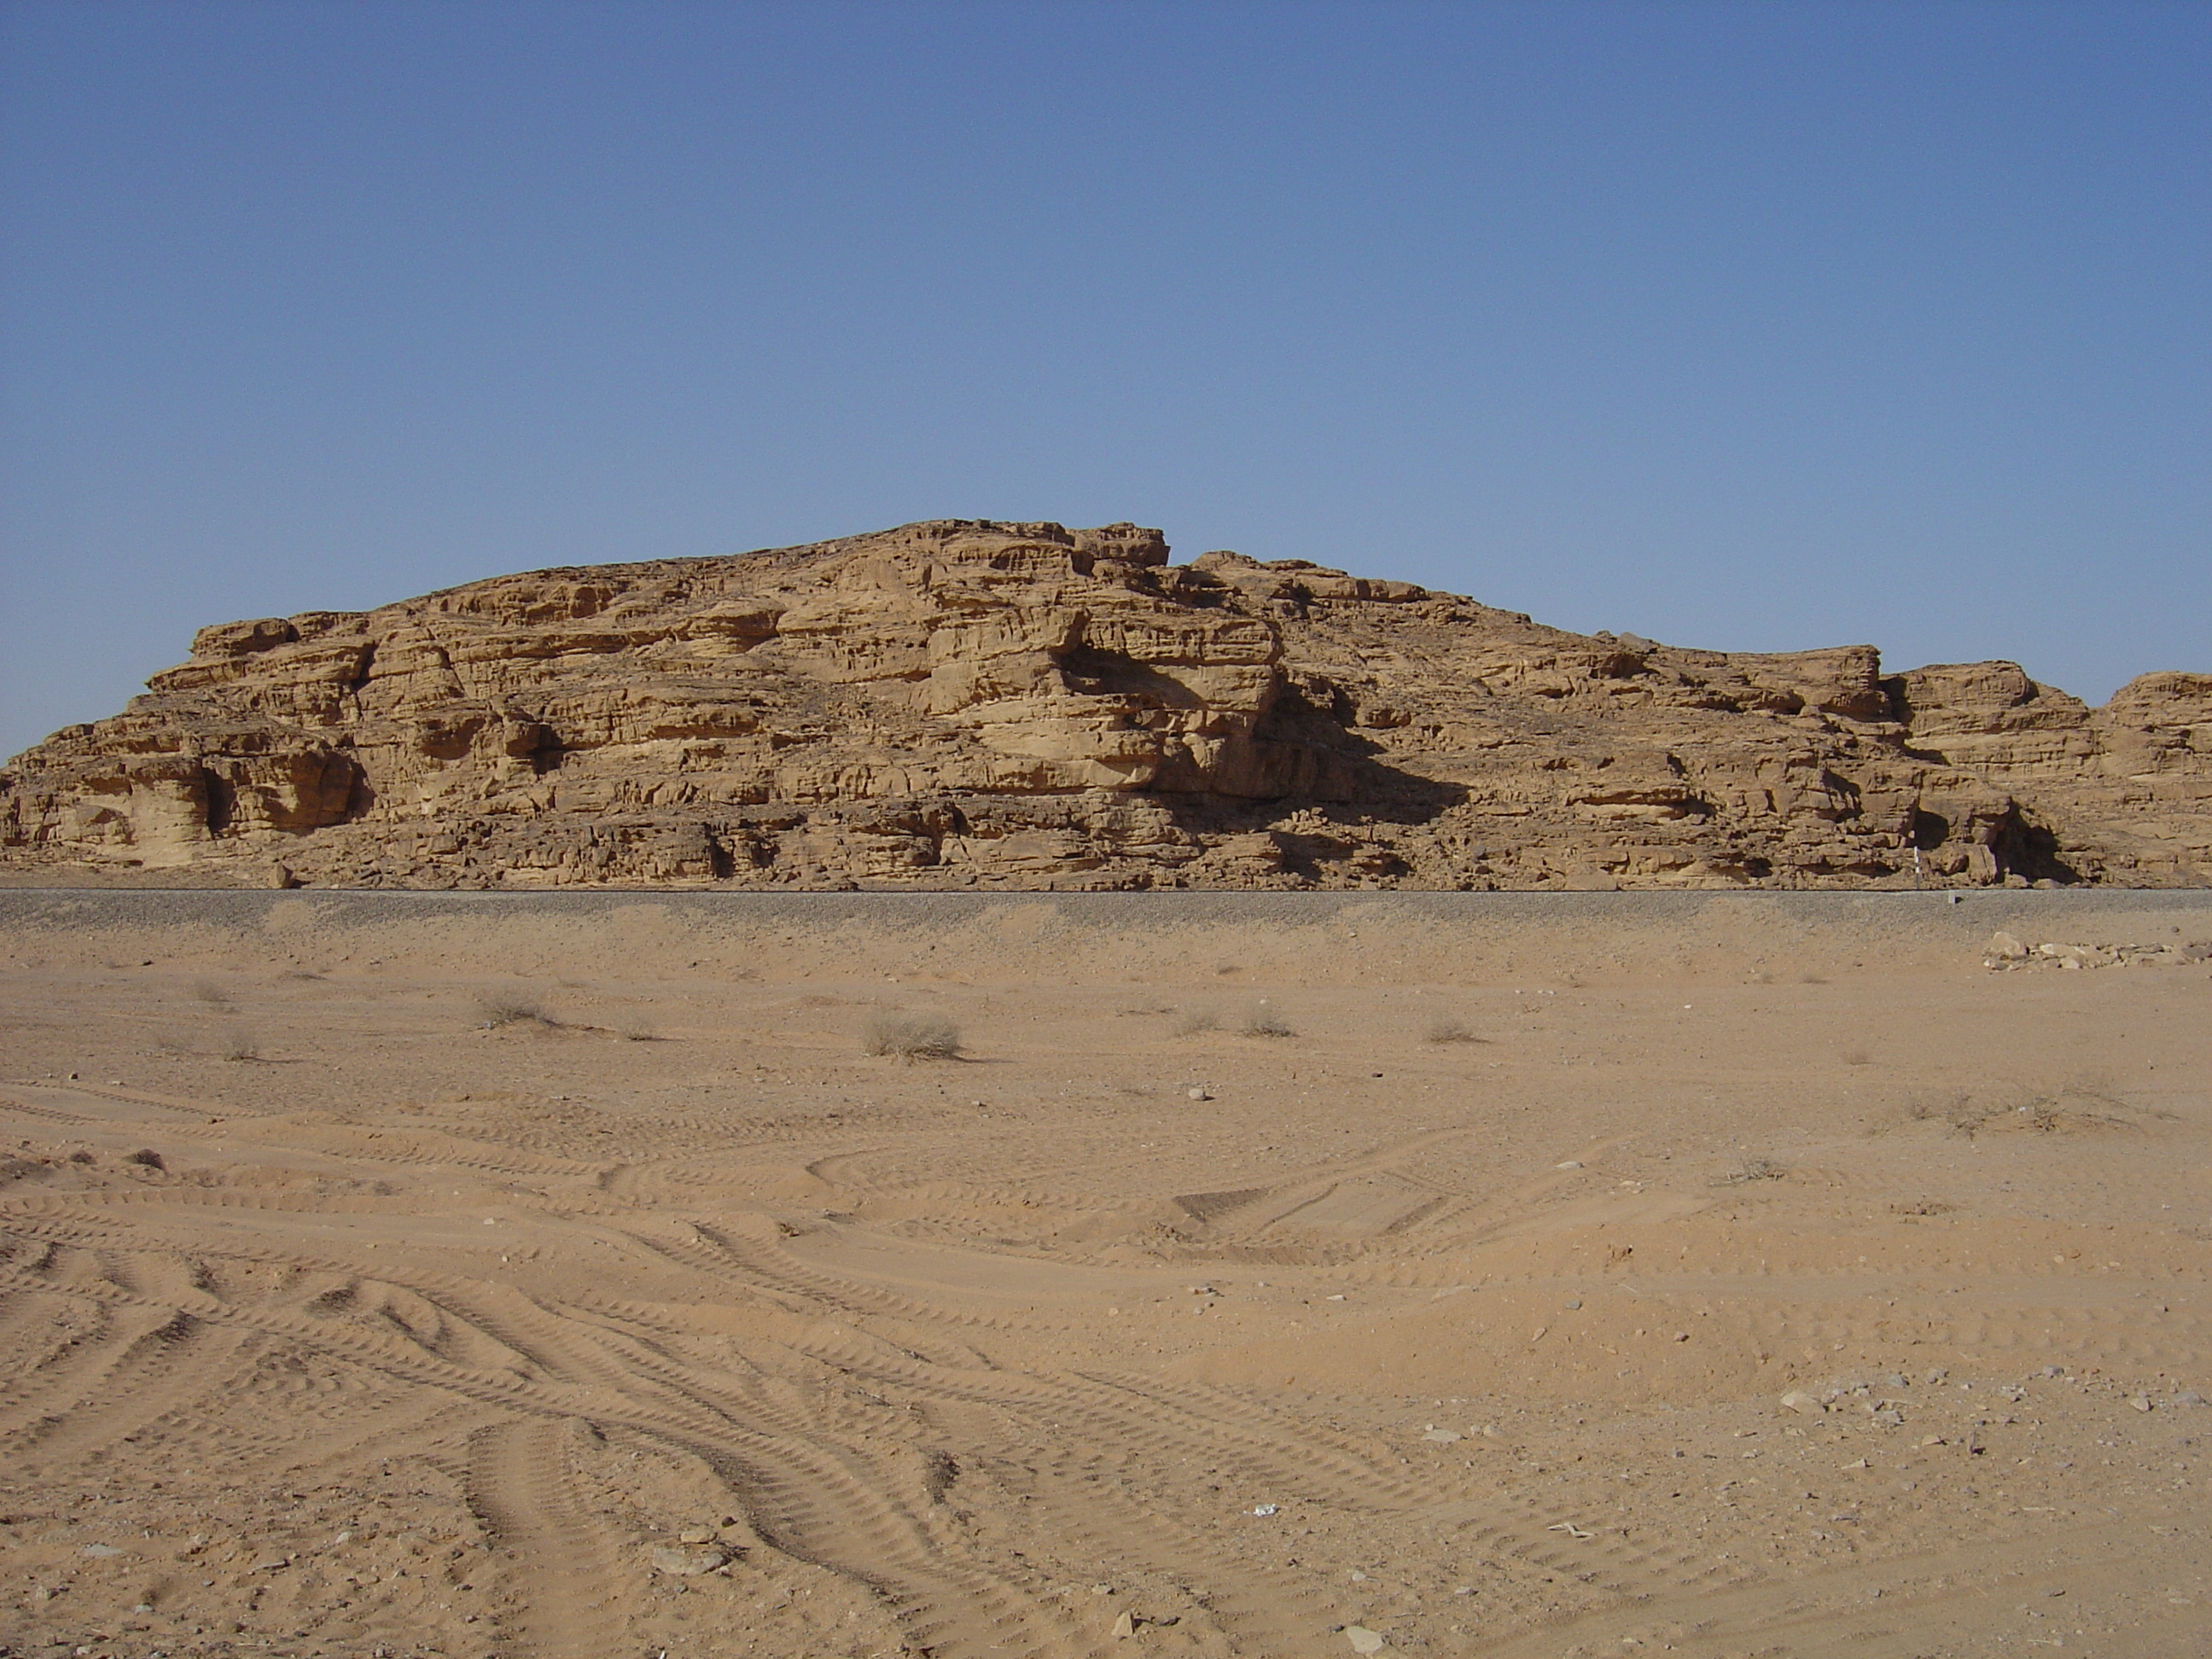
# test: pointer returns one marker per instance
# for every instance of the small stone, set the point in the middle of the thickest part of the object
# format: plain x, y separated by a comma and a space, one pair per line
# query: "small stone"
1442, 1437
690, 1561
1201, 1094
1572, 1164
695, 1536
2006, 948
1363, 1639
1263, 1510
1125, 1627
2189, 1397
1798, 1400
99, 1551
2141, 1402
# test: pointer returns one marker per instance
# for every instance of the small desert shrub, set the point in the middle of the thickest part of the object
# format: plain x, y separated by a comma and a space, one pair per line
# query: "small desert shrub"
1266, 1023
1752, 1169
1192, 1021
499, 1008
240, 1045
636, 1029
1858, 1057
910, 1036
147, 1157
2084, 1104
1450, 1028
202, 990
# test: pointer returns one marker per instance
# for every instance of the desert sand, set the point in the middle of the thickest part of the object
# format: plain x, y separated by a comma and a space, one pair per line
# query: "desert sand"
1267, 1274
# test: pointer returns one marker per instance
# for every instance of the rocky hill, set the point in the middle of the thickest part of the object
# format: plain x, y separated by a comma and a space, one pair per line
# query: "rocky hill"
968, 703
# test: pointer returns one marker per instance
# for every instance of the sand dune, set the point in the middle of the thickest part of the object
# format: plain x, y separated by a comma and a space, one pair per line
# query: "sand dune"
485, 1275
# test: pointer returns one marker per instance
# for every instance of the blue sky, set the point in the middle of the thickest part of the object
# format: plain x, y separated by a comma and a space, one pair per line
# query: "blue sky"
1756, 326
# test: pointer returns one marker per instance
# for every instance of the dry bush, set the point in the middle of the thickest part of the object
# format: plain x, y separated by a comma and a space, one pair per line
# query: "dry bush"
207, 991
910, 1036
636, 1029
1450, 1028
2086, 1103
1752, 1169
240, 1044
1857, 1057
1192, 1021
146, 1158
1265, 1023
499, 1008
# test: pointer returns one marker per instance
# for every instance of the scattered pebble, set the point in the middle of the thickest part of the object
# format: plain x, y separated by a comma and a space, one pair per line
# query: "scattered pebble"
1363, 1639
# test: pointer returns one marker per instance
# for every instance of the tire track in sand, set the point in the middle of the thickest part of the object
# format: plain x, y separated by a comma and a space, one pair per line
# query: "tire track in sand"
555, 1557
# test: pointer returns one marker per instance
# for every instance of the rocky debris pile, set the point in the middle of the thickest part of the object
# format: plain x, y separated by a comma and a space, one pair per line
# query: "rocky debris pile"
971, 703
2006, 952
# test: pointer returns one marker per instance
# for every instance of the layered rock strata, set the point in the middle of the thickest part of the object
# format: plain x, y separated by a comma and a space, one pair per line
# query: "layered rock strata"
962, 703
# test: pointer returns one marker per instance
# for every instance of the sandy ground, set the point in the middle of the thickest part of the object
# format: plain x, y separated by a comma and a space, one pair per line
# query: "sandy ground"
412, 1274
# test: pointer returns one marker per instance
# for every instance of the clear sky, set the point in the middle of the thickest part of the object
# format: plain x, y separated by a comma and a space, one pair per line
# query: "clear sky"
1757, 326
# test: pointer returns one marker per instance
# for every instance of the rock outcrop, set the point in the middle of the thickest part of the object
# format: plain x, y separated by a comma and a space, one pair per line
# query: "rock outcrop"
973, 703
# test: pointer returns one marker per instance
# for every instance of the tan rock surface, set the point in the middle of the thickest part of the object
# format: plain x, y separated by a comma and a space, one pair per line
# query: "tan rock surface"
963, 703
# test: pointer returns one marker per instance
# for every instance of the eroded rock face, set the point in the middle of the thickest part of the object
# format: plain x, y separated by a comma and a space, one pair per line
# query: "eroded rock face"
963, 703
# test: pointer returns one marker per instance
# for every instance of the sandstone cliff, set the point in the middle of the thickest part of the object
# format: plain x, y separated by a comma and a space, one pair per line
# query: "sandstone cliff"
972, 703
